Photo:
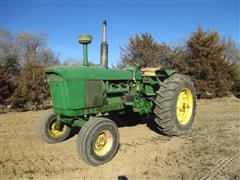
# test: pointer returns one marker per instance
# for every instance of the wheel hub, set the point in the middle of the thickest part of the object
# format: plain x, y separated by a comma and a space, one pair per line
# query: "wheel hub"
184, 106
103, 143
55, 132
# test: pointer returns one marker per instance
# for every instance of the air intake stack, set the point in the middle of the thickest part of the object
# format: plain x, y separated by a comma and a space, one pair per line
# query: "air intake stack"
104, 47
85, 40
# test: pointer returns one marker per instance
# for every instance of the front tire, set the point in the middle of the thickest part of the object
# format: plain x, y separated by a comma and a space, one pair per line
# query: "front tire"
175, 105
98, 141
47, 130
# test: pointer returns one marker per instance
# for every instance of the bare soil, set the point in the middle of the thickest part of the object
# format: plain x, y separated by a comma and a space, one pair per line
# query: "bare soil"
210, 151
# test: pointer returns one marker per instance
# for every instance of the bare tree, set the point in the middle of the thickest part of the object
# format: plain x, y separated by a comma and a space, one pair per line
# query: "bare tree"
9, 65
232, 54
48, 57
231, 51
32, 89
9, 55
31, 42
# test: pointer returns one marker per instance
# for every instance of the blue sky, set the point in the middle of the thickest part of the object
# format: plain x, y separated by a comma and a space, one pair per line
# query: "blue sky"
168, 21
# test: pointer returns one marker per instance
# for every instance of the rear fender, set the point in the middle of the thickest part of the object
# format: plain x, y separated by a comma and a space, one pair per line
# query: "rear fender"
164, 73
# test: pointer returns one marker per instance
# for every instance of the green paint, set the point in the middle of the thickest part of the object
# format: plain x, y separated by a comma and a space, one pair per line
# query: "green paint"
141, 105
117, 88
148, 90
79, 122
81, 91
68, 86
169, 72
85, 55
89, 111
85, 40
94, 93
72, 73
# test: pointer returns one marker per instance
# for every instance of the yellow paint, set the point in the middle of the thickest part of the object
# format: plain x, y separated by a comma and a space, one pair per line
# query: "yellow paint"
54, 132
184, 107
103, 143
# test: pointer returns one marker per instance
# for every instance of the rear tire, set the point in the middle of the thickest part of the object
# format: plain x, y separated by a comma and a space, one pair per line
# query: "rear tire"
98, 141
47, 131
175, 105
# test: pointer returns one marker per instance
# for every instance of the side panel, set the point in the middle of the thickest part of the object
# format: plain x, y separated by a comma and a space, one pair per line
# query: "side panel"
66, 94
57, 90
94, 93
75, 94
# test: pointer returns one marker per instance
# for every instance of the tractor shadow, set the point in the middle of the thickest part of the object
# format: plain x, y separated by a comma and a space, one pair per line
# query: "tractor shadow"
129, 120
125, 120
74, 131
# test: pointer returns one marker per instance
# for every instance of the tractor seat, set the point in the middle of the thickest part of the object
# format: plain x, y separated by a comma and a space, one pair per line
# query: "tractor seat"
148, 71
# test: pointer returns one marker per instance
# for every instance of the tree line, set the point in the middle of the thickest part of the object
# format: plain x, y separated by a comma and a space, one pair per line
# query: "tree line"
24, 56
212, 62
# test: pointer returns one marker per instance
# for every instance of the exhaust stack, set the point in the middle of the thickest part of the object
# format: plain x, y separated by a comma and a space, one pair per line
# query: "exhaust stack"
104, 47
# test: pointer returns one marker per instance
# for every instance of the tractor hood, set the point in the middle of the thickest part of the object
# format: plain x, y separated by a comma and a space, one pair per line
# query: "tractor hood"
93, 73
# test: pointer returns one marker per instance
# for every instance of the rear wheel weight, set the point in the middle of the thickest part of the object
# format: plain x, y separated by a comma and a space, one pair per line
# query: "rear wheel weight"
98, 141
175, 105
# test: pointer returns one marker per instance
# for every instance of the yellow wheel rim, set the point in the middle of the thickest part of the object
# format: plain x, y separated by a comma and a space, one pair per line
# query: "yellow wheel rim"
184, 106
103, 143
53, 131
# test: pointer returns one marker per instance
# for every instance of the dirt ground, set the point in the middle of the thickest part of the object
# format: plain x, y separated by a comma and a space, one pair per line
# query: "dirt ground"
210, 151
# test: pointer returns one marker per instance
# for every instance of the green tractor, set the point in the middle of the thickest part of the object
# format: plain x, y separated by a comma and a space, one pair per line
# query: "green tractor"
83, 95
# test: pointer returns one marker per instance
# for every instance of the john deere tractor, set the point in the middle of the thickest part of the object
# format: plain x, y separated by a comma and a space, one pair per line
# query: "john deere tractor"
82, 95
